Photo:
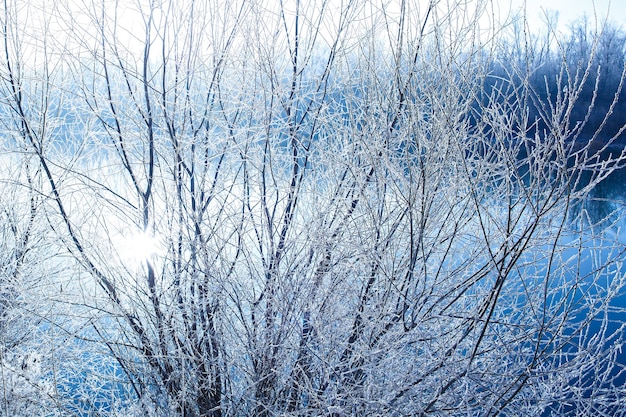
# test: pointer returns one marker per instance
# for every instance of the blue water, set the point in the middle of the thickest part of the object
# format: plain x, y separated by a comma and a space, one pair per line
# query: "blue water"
602, 243
99, 386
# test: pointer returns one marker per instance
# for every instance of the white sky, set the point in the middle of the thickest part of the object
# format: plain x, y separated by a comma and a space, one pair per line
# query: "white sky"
571, 9
129, 16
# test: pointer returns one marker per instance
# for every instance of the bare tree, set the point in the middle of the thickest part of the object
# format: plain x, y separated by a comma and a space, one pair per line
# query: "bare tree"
304, 209
26, 261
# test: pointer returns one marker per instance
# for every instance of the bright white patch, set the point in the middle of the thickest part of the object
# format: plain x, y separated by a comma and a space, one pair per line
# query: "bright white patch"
139, 247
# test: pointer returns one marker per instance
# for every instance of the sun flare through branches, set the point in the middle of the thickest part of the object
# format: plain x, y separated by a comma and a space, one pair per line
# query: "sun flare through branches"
139, 247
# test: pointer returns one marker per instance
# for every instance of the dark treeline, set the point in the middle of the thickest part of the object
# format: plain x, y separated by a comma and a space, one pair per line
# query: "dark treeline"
530, 70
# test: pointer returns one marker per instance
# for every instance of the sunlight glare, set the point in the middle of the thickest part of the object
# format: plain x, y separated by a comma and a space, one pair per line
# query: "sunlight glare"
139, 247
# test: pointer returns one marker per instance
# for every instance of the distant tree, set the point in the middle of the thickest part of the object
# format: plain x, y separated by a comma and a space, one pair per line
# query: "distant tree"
588, 57
595, 58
